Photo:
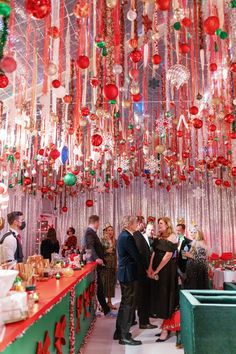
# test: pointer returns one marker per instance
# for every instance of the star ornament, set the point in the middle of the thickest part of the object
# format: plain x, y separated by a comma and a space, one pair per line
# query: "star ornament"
147, 23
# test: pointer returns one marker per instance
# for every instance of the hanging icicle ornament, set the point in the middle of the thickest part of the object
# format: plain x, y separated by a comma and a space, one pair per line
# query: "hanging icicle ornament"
178, 75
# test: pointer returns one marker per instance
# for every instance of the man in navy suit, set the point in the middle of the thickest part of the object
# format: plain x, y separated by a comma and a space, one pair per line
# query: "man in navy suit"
128, 260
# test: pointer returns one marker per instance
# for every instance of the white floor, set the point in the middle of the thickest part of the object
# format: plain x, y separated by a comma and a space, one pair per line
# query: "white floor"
101, 342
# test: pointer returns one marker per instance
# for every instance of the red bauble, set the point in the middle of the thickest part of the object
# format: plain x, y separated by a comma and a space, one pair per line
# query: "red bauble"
190, 168
83, 62
3, 81
229, 118
38, 9
60, 182
94, 82
213, 67
54, 32
110, 91
42, 152
17, 155
56, 83
71, 131
225, 162
232, 135
226, 184
119, 169
137, 98
132, 148
182, 177
8, 64
27, 181
233, 171
168, 188
136, 55
89, 203
96, 140
133, 43
64, 209
185, 155
212, 127
156, 59
233, 67
163, 5
54, 154
193, 110
186, 22
179, 133
75, 172
218, 182
45, 173
197, 123
115, 184
44, 190
211, 24
85, 111
184, 48
220, 159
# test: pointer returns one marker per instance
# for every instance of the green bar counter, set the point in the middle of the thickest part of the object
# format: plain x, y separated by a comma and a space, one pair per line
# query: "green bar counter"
208, 321
230, 286
60, 320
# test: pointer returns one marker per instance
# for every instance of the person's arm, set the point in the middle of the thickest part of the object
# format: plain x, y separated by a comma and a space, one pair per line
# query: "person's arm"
9, 247
150, 270
90, 244
132, 249
167, 257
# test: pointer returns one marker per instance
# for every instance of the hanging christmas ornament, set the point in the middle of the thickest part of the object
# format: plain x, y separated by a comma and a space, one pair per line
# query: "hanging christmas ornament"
83, 62
56, 83
64, 154
110, 91
81, 9
163, 5
136, 56
3, 81
156, 59
211, 24
131, 15
89, 203
96, 140
193, 110
184, 48
178, 75
51, 69
70, 179
8, 64
229, 118
213, 67
111, 3
197, 123
186, 22
54, 32
54, 154
38, 9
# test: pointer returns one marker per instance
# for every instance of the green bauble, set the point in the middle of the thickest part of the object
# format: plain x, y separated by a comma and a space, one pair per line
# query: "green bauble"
223, 35
177, 26
5, 10
70, 179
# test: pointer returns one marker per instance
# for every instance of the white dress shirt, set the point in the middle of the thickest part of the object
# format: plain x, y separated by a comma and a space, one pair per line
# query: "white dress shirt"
146, 238
9, 247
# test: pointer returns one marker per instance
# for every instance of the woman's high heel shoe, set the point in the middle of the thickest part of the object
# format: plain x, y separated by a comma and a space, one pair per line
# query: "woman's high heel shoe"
159, 340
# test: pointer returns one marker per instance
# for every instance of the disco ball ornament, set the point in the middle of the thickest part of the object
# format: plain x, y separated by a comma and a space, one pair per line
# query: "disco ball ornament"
178, 75
38, 9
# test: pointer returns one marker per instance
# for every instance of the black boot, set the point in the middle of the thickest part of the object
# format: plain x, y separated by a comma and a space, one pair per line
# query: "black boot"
129, 341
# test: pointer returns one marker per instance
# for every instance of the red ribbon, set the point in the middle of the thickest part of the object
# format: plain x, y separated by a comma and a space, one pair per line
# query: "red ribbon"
60, 334
44, 348
79, 306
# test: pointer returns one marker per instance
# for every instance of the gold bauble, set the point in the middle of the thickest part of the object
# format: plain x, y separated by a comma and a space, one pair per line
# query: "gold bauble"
111, 3
134, 90
160, 149
126, 103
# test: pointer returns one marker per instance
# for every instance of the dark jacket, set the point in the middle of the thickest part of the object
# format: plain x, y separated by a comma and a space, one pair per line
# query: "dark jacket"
145, 254
47, 248
128, 257
92, 242
183, 262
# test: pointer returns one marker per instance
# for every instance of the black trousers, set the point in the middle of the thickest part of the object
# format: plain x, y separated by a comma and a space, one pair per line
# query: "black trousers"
142, 302
126, 309
100, 294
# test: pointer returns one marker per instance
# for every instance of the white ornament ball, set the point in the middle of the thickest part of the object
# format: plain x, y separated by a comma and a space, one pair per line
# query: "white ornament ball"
131, 15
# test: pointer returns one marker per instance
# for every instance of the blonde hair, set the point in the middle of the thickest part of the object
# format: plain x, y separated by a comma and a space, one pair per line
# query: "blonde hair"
199, 236
127, 221
169, 230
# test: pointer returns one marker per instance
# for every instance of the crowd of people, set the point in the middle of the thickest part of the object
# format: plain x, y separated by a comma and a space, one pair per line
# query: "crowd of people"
150, 266
151, 270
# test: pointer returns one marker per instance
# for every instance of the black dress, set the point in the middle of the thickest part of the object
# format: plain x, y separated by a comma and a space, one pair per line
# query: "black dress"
164, 292
197, 270
47, 248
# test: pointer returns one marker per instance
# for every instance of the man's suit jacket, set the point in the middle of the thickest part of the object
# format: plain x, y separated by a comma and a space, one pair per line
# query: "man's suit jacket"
128, 257
91, 241
183, 262
145, 254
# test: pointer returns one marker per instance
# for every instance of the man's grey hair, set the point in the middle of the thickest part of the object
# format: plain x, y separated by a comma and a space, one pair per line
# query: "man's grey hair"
127, 221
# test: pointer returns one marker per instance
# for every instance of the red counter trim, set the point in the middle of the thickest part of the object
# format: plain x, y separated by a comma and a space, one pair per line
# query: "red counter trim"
50, 292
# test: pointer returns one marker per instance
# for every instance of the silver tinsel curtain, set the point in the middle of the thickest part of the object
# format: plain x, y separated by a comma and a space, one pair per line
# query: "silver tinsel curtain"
212, 209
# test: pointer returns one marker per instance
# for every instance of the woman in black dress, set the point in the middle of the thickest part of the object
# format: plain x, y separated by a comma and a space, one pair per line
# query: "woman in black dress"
197, 265
163, 271
50, 244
